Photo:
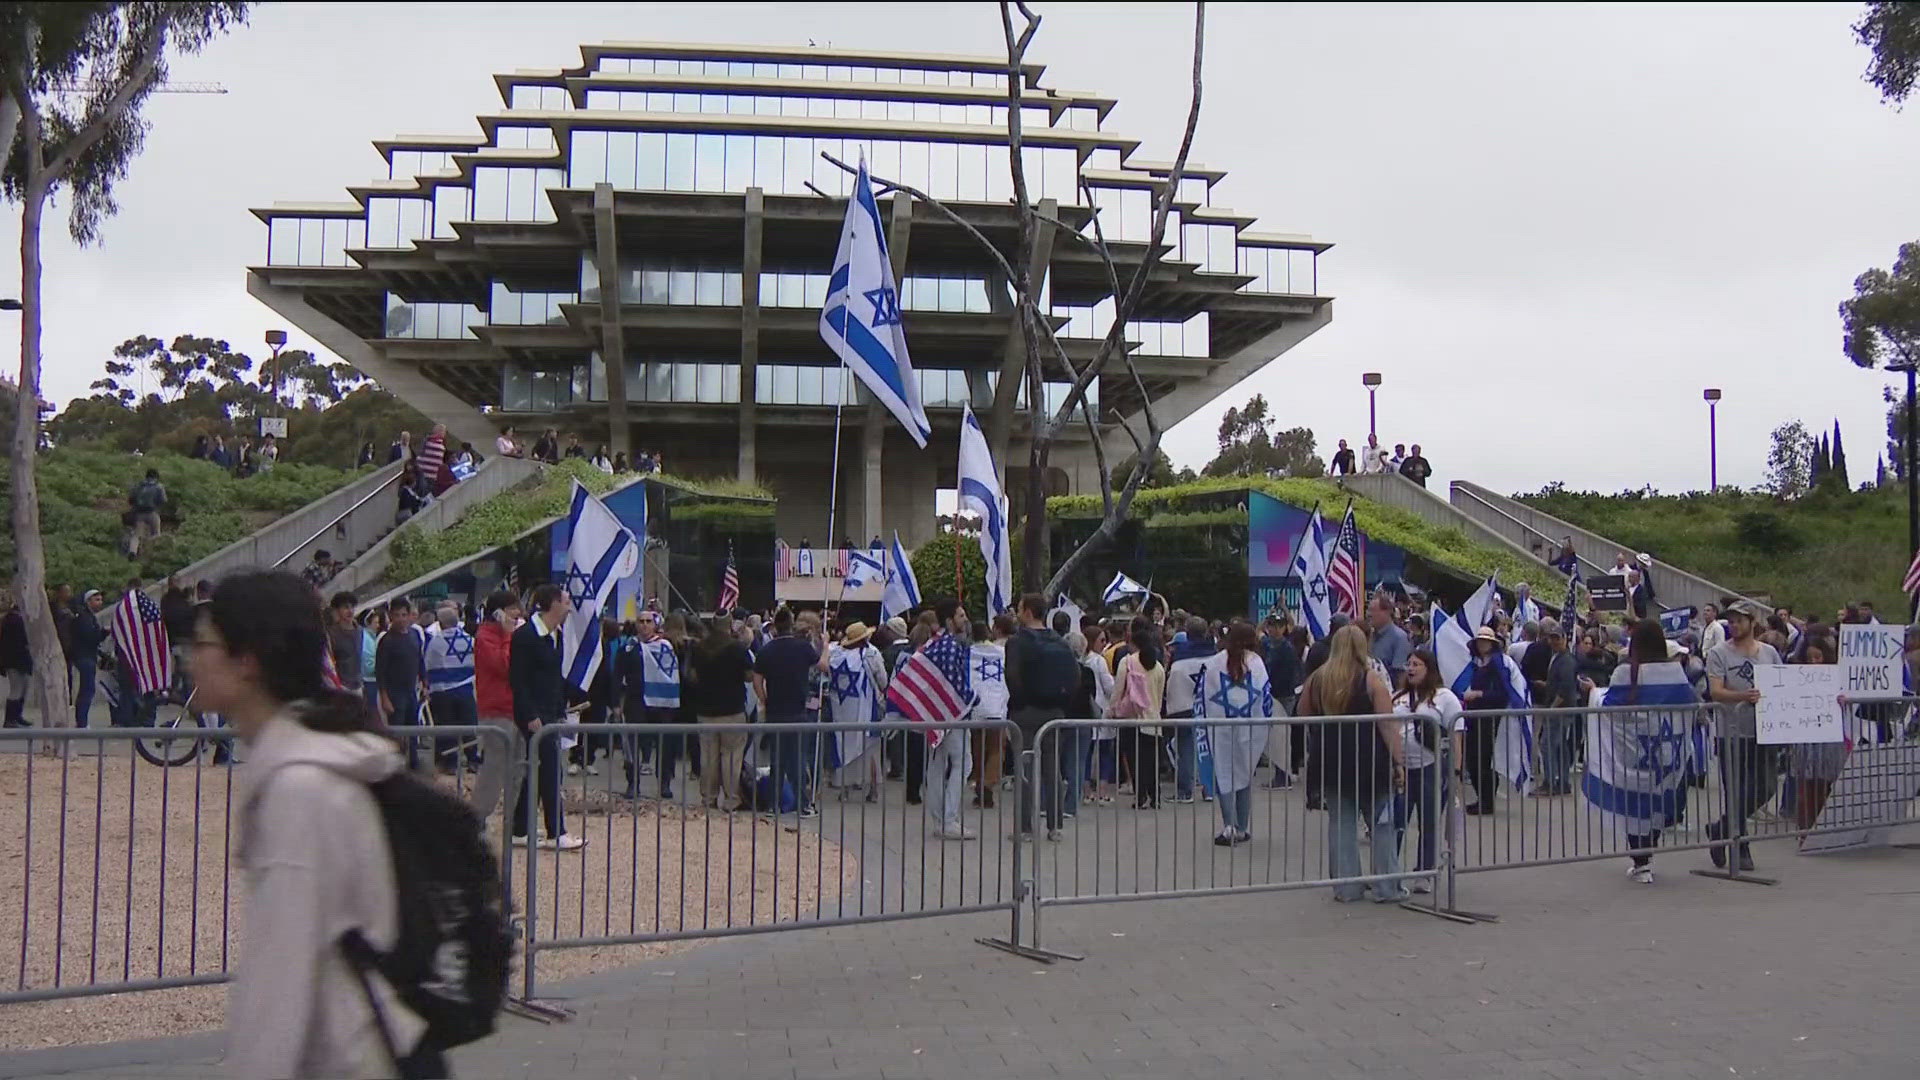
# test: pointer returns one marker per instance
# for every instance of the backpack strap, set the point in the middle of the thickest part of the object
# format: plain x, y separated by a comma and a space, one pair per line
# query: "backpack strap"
364, 959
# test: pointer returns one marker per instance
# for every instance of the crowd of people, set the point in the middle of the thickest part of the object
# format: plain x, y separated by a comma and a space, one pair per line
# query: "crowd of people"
243, 457
1374, 458
550, 449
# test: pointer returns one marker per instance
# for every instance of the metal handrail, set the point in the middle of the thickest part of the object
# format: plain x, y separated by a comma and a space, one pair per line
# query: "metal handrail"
1482, 500
342, 516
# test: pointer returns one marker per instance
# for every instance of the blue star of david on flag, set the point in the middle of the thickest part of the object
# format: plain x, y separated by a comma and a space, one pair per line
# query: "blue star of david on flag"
459, 646
1664, 752
886, 306
1234, 698
668, 661
849, 682
579, 586
992, 668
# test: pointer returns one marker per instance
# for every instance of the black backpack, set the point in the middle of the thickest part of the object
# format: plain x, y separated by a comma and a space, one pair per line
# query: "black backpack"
451, 960
1049, 674
145, 497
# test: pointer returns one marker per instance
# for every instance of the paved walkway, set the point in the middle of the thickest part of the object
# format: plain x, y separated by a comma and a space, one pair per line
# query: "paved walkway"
1586, 974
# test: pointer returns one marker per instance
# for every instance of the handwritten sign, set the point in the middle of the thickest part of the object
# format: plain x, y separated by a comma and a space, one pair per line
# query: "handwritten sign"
1799, 703
1870, 658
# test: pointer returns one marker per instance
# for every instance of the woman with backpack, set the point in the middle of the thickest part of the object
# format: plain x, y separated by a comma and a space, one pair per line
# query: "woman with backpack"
1356, 763
299, 1007
1432, 709
1139, 686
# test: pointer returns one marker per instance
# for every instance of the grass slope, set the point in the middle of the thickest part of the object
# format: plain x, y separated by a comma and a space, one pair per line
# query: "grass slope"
1815, 554
1439, 544
83, 493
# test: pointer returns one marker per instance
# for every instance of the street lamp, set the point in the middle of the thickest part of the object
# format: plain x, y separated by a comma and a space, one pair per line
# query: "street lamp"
1713, 438
1372, 382
276, 340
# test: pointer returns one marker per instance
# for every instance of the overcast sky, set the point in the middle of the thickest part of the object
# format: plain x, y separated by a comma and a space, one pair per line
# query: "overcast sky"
1554, 225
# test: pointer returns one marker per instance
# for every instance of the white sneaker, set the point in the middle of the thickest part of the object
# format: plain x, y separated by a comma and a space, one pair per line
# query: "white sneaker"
573, 770
1422, 886
565, 842
962, 833
1641, 874
519, 841
593, 770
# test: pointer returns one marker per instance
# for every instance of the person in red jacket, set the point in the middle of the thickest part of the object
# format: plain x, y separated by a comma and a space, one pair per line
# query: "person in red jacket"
494, 695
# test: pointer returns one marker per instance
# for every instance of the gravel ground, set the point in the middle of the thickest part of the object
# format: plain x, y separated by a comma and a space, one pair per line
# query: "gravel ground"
153, 895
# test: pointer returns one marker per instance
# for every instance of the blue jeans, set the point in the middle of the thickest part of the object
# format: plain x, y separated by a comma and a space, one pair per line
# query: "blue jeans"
789, 760
85, 678
1345, 813
1185, 758
1426, 799
1557, 737
1236, 808
1073, 763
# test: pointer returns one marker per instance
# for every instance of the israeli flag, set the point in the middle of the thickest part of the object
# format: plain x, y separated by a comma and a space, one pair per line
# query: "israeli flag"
980, 493
1637, 763
1453, 634
1120, 588
1453, 651
1310, 562
863, 569
1524, 609
861, 320
600, 552
1675, 620
902, 592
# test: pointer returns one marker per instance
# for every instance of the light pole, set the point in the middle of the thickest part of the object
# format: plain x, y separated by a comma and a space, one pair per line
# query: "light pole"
276, 340
1713, 438
1372, 382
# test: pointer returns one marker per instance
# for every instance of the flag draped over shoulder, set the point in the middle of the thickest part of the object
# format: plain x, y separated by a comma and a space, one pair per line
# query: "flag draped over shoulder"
861, 320
854, 693
1637, 763
980, 492
141, 634
600, 552
1453, 651
934, 686
902, 593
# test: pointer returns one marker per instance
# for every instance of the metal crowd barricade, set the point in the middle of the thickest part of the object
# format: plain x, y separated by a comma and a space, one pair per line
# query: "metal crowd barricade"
662, 865
1160, 834
126, 878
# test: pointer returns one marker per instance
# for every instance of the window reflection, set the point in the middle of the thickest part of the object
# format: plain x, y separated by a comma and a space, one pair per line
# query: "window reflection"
431, 321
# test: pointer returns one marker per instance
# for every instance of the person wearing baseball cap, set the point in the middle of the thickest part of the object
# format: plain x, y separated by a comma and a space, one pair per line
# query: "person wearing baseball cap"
1489, 691
1748, 770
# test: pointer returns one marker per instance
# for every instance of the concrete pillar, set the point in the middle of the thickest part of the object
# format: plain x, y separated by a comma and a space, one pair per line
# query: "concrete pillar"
750, 335
613, 346
1013, 364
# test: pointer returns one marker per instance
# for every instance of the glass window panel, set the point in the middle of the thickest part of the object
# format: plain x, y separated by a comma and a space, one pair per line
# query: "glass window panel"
846, 108
766, 106
814, 293
820, 107
913, 164
786, 384
926, 112
953, 294
886, 158
333, 240
794, 106
799, 165
681, 287
524, 97
650, 170
738, 150
706, 382
999, 177
679, 162
817, 72
976, 295
709, 163
603, 99
872, 109
684, 377
657, 101
686, 103
283, 241
712, 103
622, 159
730, 288
790, 71
489, 194
707, 288
519, 195
587, 163
740, 69
943, 170
740, 104
826, 175
937, 77
973, 172
653, 287
659, 381
811, 387
404, 164
449, 206
913, 76
767, 161
900, 110
1220, 251
763, 70
715, 68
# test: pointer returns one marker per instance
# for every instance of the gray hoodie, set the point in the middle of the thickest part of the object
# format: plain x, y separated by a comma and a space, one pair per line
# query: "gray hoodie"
314, 852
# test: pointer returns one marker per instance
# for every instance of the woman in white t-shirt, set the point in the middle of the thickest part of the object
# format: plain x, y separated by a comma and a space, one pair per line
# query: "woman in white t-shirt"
1427, 791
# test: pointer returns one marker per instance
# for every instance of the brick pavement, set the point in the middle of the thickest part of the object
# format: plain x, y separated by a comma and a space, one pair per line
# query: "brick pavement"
1587, 975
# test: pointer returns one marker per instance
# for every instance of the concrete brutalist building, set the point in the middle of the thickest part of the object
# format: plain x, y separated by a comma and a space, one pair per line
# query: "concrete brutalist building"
471, 280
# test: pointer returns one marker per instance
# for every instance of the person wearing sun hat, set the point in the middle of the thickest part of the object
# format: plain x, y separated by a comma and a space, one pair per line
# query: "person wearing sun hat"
856, 689
1488, 691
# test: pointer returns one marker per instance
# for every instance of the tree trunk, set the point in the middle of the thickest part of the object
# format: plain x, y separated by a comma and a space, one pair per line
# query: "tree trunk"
30, 573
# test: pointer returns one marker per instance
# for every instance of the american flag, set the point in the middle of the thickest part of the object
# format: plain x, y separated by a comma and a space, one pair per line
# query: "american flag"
141, 634
1912, 584
1343, 567
933, 687
729, 584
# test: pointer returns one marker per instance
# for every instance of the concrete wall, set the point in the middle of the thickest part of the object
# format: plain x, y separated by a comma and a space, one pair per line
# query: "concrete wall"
345, 522
495, 476
1392, 489
1526, 526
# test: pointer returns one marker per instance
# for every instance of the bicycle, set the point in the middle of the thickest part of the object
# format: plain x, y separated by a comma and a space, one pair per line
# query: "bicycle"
172, 710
